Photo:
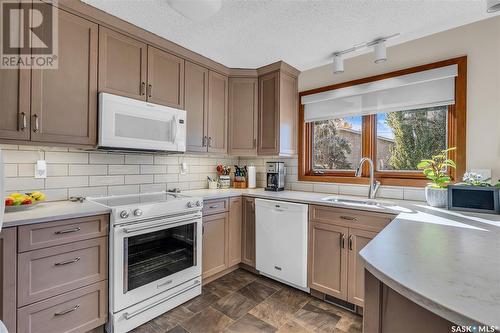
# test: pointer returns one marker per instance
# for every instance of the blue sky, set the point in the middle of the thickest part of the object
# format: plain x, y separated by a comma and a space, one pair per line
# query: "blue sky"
382, 129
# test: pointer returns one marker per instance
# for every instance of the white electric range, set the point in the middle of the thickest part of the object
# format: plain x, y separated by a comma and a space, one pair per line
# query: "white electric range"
154, 255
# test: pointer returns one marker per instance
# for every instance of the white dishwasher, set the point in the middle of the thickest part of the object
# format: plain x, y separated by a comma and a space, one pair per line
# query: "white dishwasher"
281, 241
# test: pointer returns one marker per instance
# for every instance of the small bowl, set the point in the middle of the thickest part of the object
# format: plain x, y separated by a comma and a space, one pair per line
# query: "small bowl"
18, 208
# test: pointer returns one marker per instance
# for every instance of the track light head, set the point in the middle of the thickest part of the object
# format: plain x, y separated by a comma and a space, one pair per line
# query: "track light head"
380, 52
338, 64
492, 6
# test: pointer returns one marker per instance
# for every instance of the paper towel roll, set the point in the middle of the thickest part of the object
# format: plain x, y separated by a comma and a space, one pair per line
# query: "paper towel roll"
252, 177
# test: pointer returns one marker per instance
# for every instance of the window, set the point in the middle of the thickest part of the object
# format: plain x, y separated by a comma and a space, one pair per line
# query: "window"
404, 138
397, 139
337, 143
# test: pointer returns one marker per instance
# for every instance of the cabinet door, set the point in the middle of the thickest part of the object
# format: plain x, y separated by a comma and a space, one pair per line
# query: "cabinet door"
243, 116
165, 78
64, 100
14, 103
288, 114
8, 257
248, 232
122, 65
217, 113
327, 263
234, 241
356, 277
269, 114
196, 106
215, 249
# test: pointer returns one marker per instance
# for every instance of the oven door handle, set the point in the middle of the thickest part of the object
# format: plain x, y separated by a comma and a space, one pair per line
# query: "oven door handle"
151, 226
133, 314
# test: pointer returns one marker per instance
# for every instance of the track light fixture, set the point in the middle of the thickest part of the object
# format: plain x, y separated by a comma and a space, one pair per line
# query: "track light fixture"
379, 47
492, 6
338, 64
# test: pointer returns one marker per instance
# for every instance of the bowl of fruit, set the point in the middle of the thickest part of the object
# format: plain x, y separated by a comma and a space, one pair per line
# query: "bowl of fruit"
18, 201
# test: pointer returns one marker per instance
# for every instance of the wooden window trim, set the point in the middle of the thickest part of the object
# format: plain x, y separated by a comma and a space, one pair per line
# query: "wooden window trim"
457, 115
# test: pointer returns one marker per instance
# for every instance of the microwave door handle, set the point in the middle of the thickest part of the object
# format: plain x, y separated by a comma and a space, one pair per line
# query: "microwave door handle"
174, 129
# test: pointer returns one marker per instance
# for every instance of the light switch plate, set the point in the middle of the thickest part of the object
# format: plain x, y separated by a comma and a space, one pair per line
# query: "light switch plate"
41, 169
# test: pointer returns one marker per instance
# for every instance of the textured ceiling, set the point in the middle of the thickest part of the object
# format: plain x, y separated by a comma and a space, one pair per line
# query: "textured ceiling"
250, 34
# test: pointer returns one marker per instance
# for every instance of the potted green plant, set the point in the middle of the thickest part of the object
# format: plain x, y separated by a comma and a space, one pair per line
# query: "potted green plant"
435, 169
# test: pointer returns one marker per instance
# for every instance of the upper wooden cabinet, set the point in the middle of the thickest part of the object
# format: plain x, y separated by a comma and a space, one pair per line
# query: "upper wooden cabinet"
196, 93
217, 112
130, 68
278, 114
64, 100
122, 65
165, 78
243, 116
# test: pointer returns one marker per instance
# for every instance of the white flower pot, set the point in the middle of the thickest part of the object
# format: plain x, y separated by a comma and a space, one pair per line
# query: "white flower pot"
436, 197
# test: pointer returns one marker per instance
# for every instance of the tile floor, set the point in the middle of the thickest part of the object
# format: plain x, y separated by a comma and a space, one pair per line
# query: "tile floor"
246, 303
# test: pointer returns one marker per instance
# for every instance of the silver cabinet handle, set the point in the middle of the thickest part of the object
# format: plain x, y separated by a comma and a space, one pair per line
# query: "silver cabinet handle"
210, 141
23, 121
67, 231
36, 123
72, 261
254, 143
142, 87
63, 312
277, 268
204, 141
342, 240
350, 243
150, 89
214, 206
348, 218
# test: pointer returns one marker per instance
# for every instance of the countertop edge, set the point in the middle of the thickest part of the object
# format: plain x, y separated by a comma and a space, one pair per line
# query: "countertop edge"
423, 301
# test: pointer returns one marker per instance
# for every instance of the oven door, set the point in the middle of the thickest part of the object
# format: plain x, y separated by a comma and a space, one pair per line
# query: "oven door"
126, 123
154, 256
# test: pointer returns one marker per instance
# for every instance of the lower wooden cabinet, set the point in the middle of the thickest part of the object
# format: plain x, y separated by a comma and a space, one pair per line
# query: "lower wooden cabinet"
336, 236
328, 259
215, 244
356, 273
248, 232
234, 239
8, 248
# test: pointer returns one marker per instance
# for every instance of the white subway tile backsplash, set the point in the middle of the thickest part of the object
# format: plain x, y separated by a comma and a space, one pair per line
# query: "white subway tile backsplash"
123, 169
67, 182
66, 158
55, 194
148, 188
390, 192
306, 187
173, 169
152, 169
414, 194
22, 184
138, 159
326, 188
106, 158
106, 180
166, 178
21, 156
138, 179
351, 189
87, 169
88, 191
10, 170
123, 189
165, 159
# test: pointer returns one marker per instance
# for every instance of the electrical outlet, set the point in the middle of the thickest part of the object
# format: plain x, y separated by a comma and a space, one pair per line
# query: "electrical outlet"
41, 169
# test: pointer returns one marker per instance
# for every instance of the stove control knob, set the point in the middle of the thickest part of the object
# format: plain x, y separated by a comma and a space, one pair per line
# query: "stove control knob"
124, 214
190, 204
137, 212
198, 203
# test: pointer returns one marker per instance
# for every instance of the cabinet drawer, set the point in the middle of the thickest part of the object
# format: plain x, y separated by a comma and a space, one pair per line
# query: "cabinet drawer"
40, 235
349, 217
215, 206
48, 272
78, 311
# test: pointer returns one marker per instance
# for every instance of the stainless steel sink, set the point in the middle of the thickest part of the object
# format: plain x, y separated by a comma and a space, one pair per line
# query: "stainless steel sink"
352, 202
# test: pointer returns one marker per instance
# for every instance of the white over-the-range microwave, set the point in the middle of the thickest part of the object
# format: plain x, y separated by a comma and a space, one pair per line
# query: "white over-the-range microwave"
129, 124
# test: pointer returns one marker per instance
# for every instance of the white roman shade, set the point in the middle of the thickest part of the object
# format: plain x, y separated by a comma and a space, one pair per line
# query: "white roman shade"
430, 88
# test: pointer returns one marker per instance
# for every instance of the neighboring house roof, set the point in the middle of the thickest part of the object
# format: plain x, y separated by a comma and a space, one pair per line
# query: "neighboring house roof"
353, 131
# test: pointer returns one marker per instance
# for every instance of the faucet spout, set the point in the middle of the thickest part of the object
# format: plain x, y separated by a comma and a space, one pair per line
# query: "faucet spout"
374, 184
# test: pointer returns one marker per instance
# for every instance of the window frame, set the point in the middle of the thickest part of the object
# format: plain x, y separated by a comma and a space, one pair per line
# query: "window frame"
456, 134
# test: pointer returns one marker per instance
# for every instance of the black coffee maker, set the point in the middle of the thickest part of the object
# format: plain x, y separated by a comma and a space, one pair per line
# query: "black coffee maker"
275, 176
